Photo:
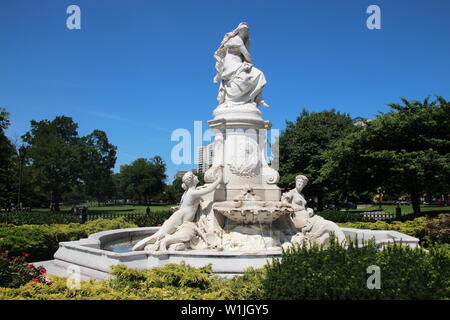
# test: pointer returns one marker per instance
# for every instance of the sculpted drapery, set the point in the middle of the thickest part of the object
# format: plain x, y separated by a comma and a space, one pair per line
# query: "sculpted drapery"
241, 82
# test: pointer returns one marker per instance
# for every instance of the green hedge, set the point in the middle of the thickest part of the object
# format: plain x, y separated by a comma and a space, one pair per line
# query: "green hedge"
172, 282
428, 230
341, 273
41, 241
341, 216
155, 218
316, 273
20, 218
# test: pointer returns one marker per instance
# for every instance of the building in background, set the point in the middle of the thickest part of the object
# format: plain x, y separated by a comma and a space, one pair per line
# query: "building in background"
205, 156
180, 174
360, 121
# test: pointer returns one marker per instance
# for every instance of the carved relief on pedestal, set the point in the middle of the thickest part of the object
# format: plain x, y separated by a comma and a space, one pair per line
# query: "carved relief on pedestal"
245, 162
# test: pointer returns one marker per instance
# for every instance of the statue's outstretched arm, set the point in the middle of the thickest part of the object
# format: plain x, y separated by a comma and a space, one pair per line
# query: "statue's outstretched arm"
211, 187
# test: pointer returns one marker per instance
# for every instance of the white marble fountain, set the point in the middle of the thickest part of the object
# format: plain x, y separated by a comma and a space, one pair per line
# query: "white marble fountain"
239, 218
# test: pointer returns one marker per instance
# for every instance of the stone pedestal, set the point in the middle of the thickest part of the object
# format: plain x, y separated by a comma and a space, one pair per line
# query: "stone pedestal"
240, 146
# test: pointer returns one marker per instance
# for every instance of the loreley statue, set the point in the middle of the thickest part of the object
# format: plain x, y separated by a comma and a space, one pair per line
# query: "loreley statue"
179, 225
241, 82
314, 229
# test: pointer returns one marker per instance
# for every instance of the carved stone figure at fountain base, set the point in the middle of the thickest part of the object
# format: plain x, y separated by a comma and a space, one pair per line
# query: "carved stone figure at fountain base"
247, 224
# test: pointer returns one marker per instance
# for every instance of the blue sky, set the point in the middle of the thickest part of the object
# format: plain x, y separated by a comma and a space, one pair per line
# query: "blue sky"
141, 69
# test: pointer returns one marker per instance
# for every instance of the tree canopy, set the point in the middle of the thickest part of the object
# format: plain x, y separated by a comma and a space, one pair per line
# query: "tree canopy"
142, 180
60, 161
302, 146
406, 150
8, 163
99, 158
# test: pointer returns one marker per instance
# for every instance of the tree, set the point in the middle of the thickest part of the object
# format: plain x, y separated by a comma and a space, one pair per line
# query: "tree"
404, 150
143, 179
302, 146
54, 156
98, 159
174, 191
8, 163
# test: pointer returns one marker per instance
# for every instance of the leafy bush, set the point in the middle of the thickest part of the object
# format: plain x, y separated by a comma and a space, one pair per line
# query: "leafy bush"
155, 218
437, 230
58, 290
181, 281
341, 273
20, 218
170, 282
334, 273
41, 241
341, 216
15, 272
428, 230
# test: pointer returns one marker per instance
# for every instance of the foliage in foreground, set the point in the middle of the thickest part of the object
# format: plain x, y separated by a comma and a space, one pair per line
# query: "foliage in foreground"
15, 271
341, 273
172, 282
316, 273
42, 241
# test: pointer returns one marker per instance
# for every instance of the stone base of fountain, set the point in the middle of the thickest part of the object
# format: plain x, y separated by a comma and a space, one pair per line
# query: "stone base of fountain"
95, 255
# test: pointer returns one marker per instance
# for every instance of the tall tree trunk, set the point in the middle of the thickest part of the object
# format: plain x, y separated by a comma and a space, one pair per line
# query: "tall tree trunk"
57, 200
415, 197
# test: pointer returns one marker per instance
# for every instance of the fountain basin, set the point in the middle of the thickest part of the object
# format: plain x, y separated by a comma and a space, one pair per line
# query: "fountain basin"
94, 256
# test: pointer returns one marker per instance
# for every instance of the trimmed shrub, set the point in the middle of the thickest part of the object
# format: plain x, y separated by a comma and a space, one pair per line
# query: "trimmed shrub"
172, 282
428, 230
42, 241
341, 273
21, 218
58, 290
341, 216
437, 230
316, 273
155, 218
